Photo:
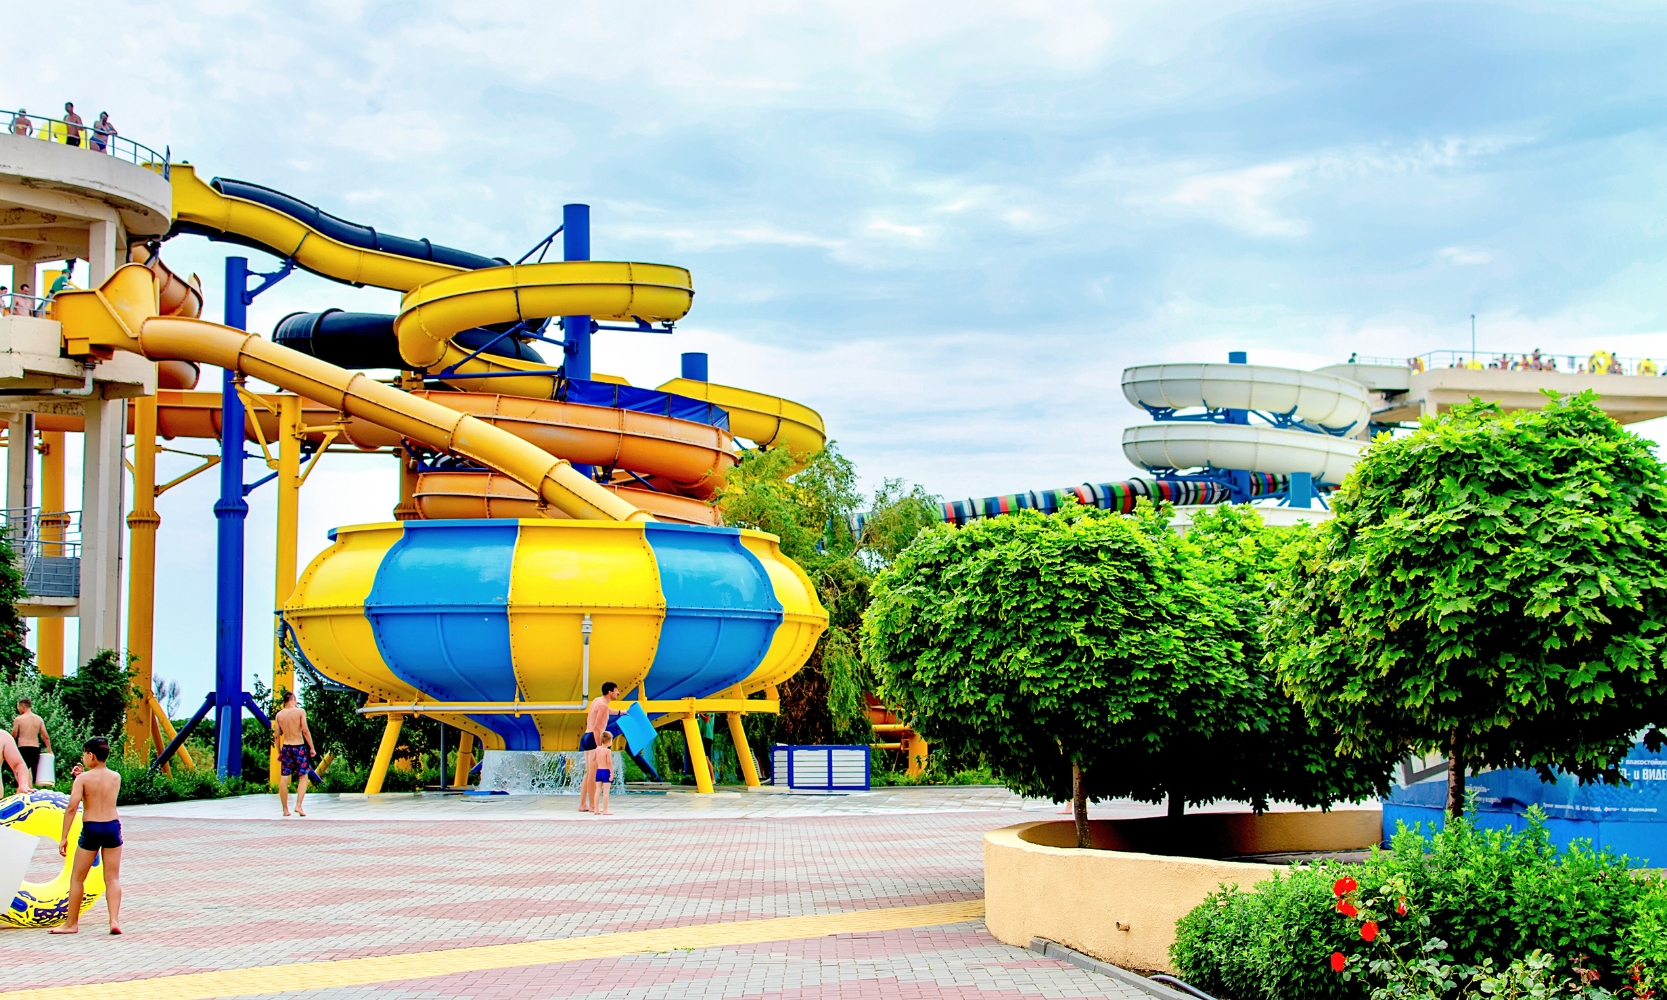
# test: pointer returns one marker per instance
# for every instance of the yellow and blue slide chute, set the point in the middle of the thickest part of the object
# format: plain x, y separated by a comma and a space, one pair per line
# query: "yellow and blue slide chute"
677, 611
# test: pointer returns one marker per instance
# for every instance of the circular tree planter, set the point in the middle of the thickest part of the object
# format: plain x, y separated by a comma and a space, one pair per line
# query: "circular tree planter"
1119, 901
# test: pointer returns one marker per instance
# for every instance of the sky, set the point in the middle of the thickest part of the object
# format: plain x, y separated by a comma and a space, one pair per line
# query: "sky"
948, 227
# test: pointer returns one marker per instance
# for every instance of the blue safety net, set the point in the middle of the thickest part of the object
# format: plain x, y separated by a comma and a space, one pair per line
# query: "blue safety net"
629, 397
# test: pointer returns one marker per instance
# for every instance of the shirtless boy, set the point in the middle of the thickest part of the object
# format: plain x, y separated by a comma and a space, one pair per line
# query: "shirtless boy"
596, 734
29, 730
10, 757
295, 751
96, 788
600, 764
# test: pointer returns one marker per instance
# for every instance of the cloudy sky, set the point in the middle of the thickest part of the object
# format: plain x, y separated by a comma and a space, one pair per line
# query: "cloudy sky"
946, 226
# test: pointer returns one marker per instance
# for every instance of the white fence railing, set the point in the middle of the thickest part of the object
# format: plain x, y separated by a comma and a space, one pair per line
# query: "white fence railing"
90, 136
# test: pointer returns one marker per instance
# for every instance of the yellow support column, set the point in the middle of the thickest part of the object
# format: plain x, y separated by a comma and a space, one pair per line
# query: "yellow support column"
743, 750
289, 519
697, 754
465, 758
159, 715
49, 635
384, 755
406, 510
917, 749
141, 578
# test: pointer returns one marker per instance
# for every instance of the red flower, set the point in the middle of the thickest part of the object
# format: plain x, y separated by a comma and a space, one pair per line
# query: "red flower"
1344, 885
1369, 930
1338, 961
1401, 907
1347, 908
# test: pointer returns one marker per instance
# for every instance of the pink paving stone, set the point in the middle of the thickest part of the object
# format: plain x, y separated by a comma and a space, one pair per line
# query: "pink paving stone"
208, 894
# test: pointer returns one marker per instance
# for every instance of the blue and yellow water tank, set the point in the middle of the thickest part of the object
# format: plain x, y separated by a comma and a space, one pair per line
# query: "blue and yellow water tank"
471, 611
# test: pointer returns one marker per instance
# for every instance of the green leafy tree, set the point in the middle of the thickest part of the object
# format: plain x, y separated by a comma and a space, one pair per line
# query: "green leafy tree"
811, 510
1276, 751
1065, 650
1493, 588
1092, 655
15, 658
98, 693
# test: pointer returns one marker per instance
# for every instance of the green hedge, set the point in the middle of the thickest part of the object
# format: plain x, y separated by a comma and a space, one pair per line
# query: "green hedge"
1488, 894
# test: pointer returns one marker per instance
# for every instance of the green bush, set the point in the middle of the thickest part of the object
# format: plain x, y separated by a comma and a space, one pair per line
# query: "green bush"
142, 788
97, 693
1644, 943
1490, 895
15, 659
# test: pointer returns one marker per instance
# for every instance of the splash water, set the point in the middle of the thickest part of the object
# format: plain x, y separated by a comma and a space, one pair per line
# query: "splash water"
542, 772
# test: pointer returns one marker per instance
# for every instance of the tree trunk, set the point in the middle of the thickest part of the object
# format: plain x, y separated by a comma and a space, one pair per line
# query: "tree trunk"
1177, 803
1079, 806
1455, 778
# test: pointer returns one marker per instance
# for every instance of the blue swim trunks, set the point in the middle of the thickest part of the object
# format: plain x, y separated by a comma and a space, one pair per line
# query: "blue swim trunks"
292, 758
99, 835
587, 742
603, 775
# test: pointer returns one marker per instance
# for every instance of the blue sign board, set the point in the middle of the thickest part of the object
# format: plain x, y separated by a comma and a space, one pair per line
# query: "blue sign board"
1628, 819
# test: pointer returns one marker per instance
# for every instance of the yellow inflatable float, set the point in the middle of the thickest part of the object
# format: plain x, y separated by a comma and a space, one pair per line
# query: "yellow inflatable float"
36, 904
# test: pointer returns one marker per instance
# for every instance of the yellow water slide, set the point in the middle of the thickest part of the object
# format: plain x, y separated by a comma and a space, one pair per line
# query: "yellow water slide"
443, 299
122, 314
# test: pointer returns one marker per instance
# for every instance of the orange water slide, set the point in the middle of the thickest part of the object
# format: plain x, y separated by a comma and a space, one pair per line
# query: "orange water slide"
445, 494
176, 296
693, 456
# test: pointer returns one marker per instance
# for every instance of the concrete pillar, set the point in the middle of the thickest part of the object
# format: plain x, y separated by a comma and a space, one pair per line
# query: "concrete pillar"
101, 252
20, 461
103, 488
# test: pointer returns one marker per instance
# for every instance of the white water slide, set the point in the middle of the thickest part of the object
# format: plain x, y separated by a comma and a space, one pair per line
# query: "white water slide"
1309, 397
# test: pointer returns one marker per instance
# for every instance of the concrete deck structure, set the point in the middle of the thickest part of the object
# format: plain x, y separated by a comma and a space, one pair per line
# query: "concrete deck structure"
57, 203
1403, 395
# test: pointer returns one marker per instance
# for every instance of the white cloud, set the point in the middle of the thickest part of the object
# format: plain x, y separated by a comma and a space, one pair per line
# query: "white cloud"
1460, 255
1243, 198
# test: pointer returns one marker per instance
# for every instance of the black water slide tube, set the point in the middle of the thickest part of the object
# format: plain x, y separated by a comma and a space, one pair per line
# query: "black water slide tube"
366, 340
350, 233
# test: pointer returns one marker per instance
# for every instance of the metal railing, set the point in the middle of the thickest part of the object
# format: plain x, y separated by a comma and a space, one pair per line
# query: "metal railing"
47, 548
91, 138
19, 304
1595, 363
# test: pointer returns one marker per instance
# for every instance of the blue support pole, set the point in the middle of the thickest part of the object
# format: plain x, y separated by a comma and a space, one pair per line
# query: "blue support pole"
231, 512
1300, 491
1239, 487
694, 366
575, 245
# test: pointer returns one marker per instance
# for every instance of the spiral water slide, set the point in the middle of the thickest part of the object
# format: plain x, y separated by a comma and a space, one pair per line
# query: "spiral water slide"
478, 621
1316, 411
450, 291
467, 616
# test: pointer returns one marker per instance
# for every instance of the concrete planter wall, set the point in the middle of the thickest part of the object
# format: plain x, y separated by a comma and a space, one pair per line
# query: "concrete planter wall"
1120, 901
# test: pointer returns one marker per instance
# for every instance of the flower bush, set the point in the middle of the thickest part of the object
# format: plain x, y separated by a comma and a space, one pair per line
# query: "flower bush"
1436, 916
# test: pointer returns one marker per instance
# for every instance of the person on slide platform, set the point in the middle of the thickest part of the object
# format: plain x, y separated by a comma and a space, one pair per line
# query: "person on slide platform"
96, 788
295, 751
596, 735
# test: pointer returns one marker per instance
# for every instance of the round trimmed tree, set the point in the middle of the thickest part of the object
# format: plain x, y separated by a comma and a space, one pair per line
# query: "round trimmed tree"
1494, 589
1092, 655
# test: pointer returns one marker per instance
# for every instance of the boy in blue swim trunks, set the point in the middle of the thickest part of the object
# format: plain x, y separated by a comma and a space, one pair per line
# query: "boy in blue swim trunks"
95, 791
601, 762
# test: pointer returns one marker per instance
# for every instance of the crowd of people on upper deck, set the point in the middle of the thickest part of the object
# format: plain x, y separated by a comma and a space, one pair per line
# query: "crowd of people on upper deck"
71, 130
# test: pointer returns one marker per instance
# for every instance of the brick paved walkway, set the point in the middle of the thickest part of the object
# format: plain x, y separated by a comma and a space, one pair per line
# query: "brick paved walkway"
209, 894
933, 963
